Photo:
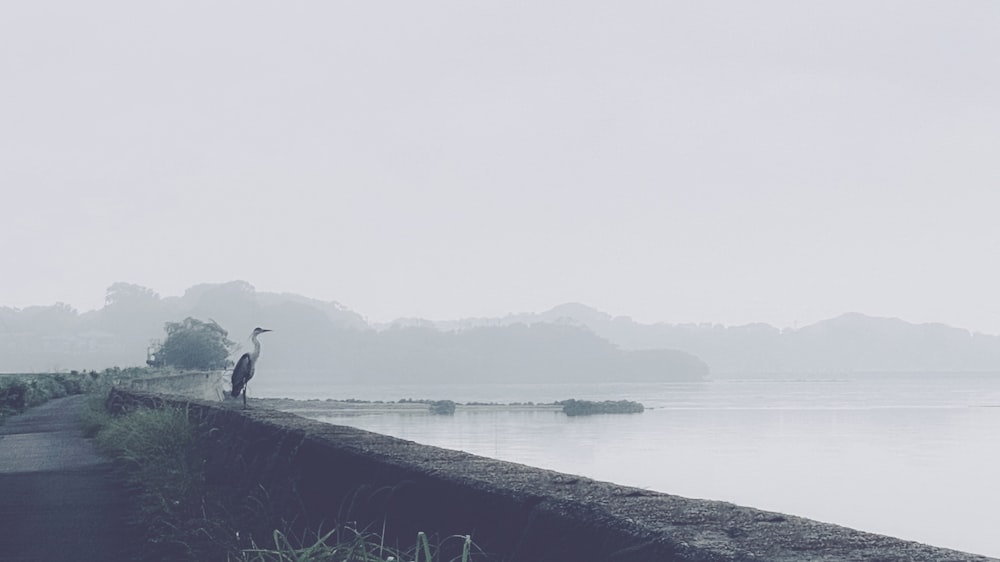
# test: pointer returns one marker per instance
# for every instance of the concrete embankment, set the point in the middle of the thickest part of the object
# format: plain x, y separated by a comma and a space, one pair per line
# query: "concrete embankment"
316, 474
207, 385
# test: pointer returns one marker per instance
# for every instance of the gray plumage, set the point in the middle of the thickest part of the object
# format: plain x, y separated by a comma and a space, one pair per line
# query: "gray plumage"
246, 366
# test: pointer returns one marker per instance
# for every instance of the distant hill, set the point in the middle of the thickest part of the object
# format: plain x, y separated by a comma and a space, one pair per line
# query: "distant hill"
570, 342
849, 343
515, 353
327, 339
57, 337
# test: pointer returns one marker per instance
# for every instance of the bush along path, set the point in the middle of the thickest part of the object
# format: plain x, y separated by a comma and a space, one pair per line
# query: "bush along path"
59, 500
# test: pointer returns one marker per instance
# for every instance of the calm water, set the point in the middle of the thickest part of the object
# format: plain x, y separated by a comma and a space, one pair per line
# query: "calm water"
915, 456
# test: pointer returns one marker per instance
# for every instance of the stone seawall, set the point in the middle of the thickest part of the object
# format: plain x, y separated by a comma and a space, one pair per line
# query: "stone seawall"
318, 474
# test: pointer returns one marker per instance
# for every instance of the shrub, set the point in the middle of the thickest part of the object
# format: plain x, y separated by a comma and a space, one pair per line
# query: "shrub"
193, 344
13, 394
587, 407
442, 407
19, 392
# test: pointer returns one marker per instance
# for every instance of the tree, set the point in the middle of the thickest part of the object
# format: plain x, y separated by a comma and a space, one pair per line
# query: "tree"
127, 293
132, 312
193, 344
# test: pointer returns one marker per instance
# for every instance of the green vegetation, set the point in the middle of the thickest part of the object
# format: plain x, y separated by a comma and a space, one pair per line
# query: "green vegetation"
440, 407
587, 407
193, 344
183, 516
19, 392
443, 407
156, 451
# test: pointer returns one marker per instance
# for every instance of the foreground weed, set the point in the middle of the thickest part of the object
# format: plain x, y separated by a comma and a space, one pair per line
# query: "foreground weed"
423, 546
156, 449
94, 417
350, 545
157, 445
346, 545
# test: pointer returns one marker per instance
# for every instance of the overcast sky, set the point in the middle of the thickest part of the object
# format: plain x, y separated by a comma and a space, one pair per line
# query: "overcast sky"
725, 162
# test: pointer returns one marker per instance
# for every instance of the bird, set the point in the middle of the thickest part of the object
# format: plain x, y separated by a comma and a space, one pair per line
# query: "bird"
244, 369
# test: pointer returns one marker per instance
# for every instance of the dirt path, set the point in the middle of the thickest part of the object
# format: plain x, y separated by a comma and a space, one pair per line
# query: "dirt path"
59, 500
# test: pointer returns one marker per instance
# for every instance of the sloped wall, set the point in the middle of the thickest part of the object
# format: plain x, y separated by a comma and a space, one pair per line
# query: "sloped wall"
315, 473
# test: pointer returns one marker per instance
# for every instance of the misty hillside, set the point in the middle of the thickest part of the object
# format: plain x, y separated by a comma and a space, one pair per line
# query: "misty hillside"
571, 342
848, 343
325, 339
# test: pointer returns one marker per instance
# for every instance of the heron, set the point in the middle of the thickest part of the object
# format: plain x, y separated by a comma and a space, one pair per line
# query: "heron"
244, 369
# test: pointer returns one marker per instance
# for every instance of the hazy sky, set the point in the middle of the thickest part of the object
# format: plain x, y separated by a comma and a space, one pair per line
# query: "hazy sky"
671, 161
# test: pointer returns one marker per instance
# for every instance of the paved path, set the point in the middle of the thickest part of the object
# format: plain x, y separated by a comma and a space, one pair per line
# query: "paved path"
59, 500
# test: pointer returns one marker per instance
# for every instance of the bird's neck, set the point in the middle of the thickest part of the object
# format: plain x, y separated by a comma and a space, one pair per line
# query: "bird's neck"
256, 348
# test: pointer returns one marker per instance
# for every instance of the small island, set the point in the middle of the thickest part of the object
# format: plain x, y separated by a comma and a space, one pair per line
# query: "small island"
588, 408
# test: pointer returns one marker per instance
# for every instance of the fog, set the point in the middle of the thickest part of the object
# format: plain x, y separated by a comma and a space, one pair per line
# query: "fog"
724, 162
824, 170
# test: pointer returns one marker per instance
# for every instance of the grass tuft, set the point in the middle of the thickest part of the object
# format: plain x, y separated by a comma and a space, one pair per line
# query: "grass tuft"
158, 456
94, 416
346, 544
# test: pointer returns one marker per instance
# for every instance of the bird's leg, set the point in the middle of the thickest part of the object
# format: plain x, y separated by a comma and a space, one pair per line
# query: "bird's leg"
244, 397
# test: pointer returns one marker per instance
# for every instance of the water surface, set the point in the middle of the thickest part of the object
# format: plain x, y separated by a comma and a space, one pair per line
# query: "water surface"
912, 456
